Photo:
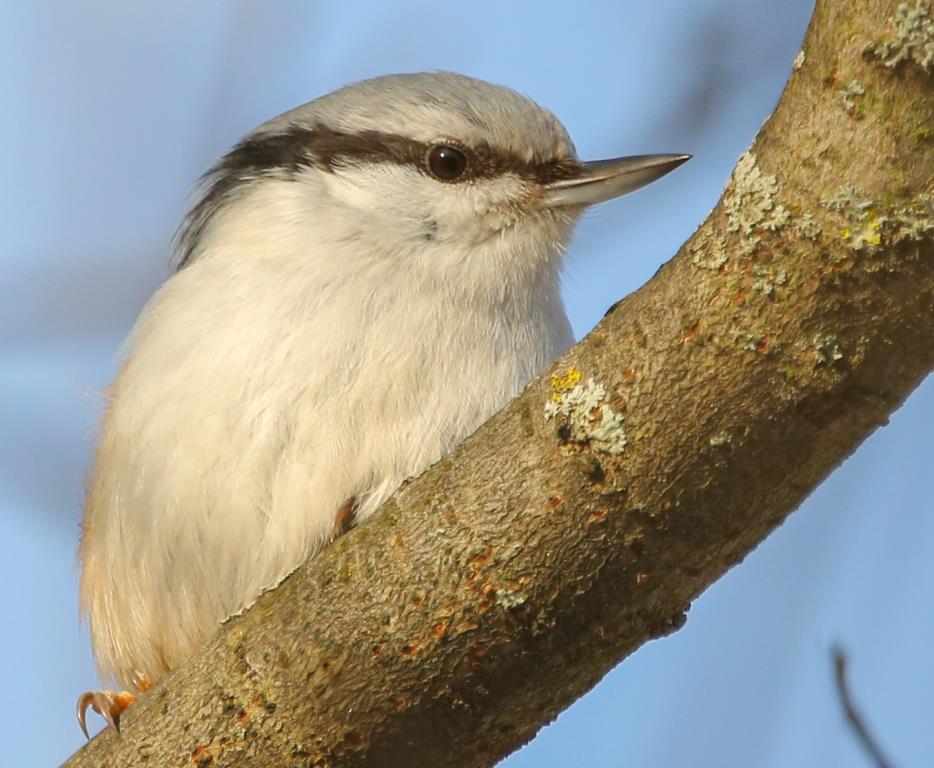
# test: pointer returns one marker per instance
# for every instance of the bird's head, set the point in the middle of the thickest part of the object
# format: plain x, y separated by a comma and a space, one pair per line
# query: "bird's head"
432, 171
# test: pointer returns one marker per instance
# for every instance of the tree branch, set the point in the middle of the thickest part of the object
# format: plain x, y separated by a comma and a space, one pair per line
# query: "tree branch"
581, 521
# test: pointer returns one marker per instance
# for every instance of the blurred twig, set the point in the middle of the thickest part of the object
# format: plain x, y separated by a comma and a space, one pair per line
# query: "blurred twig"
853, 717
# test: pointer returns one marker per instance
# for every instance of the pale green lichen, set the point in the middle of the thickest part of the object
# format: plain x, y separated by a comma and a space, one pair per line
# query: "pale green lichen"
912, 38
826, 349
763, 285
914, 222
808, 227
509, 600
766, 278
750, 202
721, 438
750, 342
854, 90
711, 259
847, 199
581, 409
751, 209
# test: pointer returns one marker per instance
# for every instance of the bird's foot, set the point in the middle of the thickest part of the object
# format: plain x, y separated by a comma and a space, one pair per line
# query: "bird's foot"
109, 704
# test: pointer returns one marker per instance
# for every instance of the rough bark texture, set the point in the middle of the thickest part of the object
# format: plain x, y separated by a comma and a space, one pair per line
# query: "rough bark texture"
582, 520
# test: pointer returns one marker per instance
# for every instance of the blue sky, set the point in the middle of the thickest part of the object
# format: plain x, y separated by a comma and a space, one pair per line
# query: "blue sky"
113, 109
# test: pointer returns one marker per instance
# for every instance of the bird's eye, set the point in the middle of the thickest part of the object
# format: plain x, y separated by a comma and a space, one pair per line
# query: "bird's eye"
446, 163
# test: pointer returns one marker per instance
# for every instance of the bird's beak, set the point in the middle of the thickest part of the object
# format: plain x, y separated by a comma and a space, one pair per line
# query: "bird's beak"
605, 179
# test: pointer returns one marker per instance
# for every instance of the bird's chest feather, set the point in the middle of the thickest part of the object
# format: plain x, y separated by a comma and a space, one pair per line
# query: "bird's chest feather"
293, 399
412, 377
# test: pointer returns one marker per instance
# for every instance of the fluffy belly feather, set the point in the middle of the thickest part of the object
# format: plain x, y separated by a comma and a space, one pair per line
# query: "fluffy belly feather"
224, 459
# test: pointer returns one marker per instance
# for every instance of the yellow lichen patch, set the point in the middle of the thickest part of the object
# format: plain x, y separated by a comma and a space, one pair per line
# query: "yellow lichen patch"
564, 382
863, 223
867, 226
867, 234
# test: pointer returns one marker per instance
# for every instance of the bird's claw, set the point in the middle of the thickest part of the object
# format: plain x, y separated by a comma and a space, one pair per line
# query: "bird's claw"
344, 519
109, 704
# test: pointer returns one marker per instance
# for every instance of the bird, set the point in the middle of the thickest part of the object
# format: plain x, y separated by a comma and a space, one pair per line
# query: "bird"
359, 284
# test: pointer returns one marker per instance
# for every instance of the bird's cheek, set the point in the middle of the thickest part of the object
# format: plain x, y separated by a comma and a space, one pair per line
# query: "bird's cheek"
474, 231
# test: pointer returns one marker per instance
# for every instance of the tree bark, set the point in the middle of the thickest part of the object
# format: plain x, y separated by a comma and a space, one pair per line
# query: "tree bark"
581, 520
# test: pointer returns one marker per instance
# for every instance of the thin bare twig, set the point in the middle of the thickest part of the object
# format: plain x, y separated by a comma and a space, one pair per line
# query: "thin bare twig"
853, 717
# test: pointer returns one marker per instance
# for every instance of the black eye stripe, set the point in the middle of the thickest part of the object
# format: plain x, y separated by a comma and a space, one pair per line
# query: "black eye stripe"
324, 148
286, 153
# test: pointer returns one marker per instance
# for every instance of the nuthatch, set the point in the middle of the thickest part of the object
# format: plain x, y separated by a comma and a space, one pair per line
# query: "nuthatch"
362, 281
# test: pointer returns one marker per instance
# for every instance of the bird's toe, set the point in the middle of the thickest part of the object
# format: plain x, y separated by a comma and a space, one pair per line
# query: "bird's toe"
109, 704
